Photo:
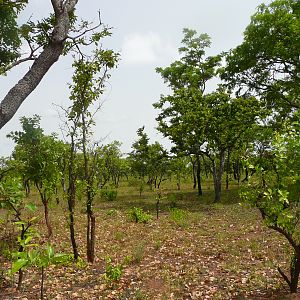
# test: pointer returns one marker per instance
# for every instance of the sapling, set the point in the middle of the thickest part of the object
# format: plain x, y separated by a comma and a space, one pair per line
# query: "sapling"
11, 199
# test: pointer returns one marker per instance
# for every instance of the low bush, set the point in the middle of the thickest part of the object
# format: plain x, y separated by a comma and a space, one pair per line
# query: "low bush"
137, 215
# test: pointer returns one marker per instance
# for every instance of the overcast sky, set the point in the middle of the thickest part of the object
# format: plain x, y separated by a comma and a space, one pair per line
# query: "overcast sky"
147, 34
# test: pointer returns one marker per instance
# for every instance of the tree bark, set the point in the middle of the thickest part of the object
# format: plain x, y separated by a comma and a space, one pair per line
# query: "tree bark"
91, 222
217, 174
17, 94
47, 220
71, 206
295, 271
42, 283
71, 197
227, 169
198, 175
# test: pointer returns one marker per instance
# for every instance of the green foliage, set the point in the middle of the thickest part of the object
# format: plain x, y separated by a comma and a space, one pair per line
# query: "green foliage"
9, 35
267, 61
11, 194
137, 215
148, 160
37, 257
199, 123
37, 156
112, 212
178, 216
275, 187
109, 194
275, 191
113, 273
111, 166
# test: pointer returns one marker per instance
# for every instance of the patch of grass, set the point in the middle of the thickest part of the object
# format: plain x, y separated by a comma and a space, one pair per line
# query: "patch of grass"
179, 217
157, 245
140, 295
138, 252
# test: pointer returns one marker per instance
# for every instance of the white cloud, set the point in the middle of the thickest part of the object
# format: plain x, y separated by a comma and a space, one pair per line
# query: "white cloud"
148, 48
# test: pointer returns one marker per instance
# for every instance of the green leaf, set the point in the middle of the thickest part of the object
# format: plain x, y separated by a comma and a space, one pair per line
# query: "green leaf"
49, 251
17, 265
31, 206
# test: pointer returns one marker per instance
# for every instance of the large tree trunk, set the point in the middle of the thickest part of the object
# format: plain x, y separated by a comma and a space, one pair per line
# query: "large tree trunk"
15, 97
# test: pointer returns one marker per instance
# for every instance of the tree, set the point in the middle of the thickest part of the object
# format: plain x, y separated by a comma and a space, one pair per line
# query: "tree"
179, 119
199, 123
47, 39
148, 160
39, 157
275, 190
11, 199
110, 164
139, 154
5, 167
179, 166
88, 85
267, 62
229, 122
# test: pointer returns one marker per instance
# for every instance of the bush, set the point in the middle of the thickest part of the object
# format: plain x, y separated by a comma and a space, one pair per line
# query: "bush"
137, 215
113, 273
109, 194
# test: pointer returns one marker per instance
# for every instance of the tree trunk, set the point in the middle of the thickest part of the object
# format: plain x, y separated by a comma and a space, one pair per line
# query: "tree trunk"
42, 284
194, 176
246, 175
21, 249
47, 220
198, 176
227, 170
20, 280
71, 194
90, 236
294, 272
217, 174
71, 206
178, 184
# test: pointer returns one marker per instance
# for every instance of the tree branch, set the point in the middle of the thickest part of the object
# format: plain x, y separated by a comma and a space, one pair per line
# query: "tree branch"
51, 53
284, 276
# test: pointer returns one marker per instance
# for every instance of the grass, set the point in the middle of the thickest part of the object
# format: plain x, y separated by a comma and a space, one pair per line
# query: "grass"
207, 250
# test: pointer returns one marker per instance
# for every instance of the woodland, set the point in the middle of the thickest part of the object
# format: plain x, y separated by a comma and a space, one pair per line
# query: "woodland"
216, 216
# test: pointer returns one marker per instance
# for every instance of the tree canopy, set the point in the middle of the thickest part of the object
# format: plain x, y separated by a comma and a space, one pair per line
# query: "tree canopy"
267, 62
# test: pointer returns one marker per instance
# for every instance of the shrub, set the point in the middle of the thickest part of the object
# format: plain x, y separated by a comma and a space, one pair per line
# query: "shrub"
113, 273
109, 194
137, 215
